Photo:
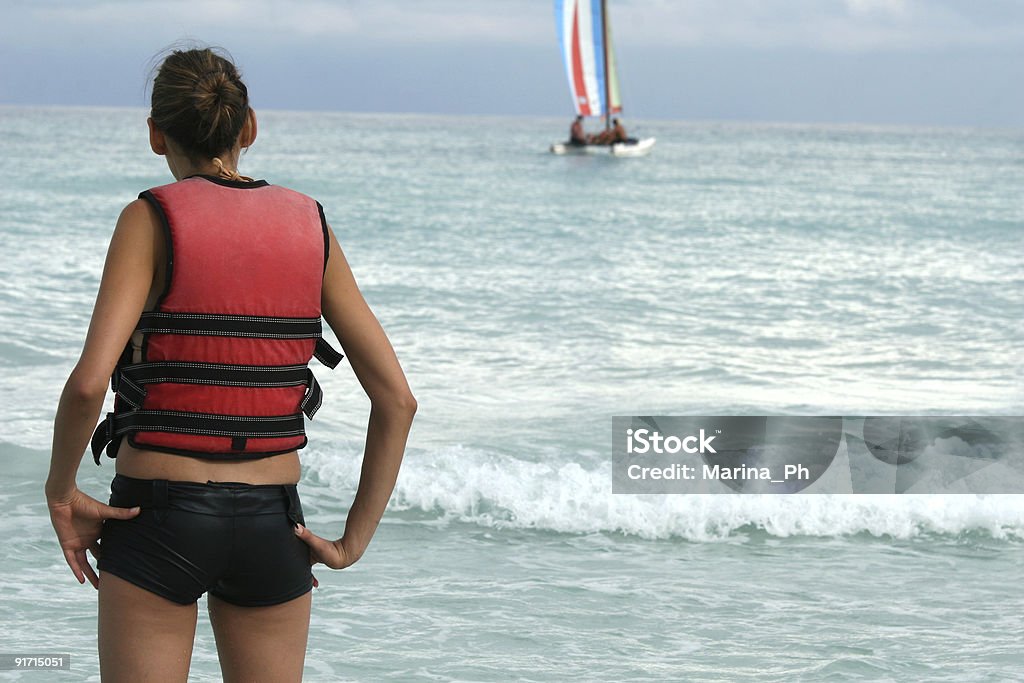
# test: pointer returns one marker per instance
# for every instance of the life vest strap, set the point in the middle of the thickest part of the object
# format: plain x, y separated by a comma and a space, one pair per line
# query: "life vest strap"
204, 424
130, 391
261, 327
129, 380
314, 397
222, 325
326, 354
133, 378
188, 372
102, 437
182, 422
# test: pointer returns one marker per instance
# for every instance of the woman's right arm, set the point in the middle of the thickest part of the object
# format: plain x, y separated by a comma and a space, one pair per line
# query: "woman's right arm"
392, 407
127, 278
135, 249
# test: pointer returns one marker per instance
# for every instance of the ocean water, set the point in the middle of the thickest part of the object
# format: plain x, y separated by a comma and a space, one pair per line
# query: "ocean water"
739, 269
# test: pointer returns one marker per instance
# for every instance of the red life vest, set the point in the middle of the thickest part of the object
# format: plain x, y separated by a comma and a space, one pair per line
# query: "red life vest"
223, 370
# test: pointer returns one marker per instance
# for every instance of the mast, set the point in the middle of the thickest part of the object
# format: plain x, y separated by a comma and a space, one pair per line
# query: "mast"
607, 79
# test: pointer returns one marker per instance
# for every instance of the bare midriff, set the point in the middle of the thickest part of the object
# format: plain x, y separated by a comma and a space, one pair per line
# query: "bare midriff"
274, 469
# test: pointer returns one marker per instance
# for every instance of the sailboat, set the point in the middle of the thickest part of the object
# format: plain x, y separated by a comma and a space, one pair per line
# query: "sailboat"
585, 37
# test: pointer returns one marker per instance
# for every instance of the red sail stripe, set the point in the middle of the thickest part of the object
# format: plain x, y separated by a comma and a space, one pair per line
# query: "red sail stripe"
582, 100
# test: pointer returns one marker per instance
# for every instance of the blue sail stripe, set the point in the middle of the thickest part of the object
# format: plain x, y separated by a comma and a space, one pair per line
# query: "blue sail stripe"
560, 10
597, 23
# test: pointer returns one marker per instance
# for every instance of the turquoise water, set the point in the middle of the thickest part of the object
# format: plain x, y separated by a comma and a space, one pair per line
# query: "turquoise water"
738, 269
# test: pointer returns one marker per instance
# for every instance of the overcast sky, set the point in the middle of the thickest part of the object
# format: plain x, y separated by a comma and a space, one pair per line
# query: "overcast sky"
944, 62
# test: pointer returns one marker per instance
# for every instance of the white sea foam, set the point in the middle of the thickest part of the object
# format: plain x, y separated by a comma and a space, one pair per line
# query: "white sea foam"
470, 485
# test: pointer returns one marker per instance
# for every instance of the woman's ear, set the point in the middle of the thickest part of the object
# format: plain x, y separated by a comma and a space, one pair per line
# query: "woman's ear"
157, 141
248, 134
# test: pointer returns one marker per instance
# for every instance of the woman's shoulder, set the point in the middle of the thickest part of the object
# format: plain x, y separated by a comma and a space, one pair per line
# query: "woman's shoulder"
138, 231
139, 211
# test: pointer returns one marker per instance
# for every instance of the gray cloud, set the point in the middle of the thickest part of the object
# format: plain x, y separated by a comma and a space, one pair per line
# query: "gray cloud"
898, 61
828, 25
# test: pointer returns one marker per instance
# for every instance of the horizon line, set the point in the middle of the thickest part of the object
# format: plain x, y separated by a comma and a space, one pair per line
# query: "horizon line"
553, 117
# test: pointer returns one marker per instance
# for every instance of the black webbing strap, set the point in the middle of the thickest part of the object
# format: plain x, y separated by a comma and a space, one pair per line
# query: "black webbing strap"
130, 391
215, 324
125, 359
133, 378
114, 426
181, 422
101, 437
326, 354
129, 380
314, 397
188, 372
205, 424
260, 327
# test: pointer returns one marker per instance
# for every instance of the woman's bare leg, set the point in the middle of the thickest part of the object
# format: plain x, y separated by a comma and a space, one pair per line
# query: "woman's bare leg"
143, 637
261, 643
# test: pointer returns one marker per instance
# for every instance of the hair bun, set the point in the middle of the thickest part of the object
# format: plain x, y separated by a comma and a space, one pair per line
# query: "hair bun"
199, 99
211, 89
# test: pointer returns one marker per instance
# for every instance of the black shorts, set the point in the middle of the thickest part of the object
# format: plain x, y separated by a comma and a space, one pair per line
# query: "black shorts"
233, 539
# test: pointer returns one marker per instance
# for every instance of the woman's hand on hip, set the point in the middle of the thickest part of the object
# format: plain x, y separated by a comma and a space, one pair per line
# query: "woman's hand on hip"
332, 553
78, 521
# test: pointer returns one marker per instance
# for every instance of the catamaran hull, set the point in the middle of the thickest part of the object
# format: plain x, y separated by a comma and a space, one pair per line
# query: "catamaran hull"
619, 149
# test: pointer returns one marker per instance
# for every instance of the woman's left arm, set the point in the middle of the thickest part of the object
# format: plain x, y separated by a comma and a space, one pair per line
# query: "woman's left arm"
128, 275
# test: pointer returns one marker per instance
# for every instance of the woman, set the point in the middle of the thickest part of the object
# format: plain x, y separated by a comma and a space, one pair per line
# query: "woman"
208, 311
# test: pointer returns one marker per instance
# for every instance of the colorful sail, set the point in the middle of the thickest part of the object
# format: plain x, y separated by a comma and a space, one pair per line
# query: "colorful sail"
614, 103
584, 35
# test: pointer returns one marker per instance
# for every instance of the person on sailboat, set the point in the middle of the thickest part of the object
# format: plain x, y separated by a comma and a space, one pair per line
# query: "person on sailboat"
609, 136
618, 132
577, 136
